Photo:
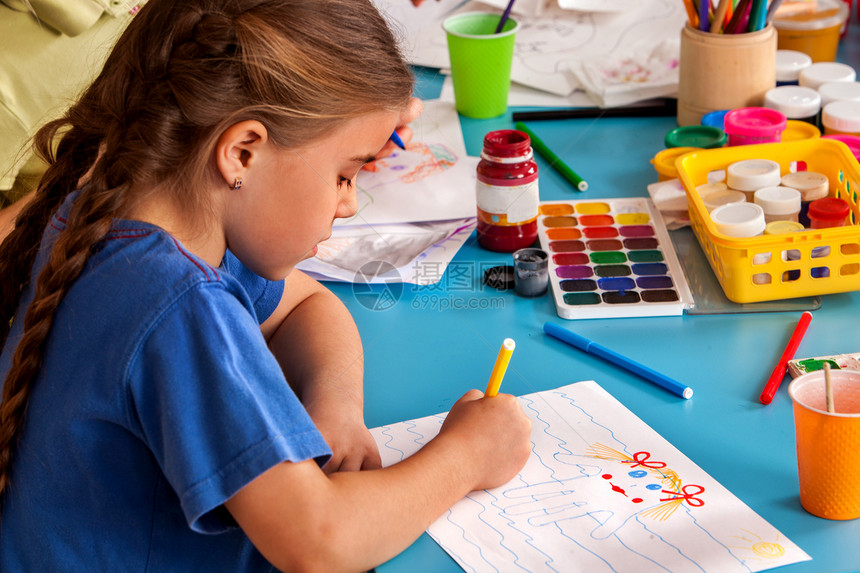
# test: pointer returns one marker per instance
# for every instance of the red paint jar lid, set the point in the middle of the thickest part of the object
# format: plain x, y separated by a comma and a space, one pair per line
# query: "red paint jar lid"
829, 209
755, 122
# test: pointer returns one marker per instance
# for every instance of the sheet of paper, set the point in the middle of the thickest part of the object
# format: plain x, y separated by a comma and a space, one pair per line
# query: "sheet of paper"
521, 95
415, 253
547, 45
432, 180
601, 492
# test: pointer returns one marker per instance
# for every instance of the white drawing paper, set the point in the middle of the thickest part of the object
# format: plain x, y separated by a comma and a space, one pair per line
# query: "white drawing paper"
601, 492
414, 253
432, 180
549, 44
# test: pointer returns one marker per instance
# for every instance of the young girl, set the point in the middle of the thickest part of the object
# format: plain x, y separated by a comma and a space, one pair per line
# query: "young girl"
145, 400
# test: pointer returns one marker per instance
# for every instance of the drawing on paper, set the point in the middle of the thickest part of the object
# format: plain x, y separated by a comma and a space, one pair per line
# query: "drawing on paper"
601, 492
417, 163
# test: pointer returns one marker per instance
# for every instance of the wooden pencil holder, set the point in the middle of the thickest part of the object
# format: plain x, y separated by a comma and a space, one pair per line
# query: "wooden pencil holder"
724, 71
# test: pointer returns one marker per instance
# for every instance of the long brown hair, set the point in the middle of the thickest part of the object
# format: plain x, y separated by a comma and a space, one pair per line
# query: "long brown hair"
182, 72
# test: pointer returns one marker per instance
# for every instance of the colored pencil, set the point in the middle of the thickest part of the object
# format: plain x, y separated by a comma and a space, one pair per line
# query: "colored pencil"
500, 367
578, 182
771, 10
740, 11
704, 15
667, 107
778, 374
758, 13
591, 347
719, 16
505, 15
692, 16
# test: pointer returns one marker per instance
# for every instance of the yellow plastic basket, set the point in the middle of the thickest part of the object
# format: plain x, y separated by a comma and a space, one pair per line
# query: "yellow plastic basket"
773, 267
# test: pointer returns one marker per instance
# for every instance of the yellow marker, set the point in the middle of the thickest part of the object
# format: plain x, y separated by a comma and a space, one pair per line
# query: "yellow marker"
501, 366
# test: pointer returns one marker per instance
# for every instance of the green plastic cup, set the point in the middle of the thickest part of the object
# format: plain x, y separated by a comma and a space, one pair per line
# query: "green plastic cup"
480, 62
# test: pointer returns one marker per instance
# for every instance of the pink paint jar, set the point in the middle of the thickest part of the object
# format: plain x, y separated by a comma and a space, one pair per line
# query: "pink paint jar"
828, 212
749, 125
852, 141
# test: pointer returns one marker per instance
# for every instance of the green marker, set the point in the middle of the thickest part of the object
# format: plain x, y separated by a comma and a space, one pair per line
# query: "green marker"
578, 182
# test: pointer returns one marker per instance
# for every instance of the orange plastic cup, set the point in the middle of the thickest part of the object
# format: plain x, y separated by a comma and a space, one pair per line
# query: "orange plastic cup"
827, 443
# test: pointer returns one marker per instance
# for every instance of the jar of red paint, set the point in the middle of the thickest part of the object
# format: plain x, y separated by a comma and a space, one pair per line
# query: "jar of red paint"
507, 192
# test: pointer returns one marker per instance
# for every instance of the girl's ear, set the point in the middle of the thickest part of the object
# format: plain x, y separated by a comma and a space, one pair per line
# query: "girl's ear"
238, 148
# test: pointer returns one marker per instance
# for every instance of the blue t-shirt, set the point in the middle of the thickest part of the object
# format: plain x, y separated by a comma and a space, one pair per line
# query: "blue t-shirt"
157, 400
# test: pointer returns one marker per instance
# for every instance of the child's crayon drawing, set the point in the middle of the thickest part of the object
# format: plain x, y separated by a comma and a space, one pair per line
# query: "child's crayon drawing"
601, 492
431, 180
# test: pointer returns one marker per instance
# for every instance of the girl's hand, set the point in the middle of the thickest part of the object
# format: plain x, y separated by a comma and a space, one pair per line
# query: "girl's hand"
410, 114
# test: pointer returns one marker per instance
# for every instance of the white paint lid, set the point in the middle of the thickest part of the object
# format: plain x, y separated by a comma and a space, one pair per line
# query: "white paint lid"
752, 174
842, 116
796, 102
836, 91
724, 197
812, 185
739, 219
710, 187
823, 72
789, 63
778, 200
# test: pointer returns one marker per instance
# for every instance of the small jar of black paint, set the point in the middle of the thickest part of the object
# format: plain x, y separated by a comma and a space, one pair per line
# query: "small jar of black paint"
530, 272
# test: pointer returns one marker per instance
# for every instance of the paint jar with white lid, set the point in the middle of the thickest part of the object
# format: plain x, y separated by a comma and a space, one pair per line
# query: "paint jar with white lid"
823, 72
717, 194
778, 203
739, 220
750, 175
812, 186
841, 118
839, 91
795, 102
789, 63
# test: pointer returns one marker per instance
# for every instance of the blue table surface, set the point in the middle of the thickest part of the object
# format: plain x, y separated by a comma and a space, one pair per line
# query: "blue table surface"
436, 342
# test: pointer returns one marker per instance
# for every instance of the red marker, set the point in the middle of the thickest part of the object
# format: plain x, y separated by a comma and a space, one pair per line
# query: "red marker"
779, 372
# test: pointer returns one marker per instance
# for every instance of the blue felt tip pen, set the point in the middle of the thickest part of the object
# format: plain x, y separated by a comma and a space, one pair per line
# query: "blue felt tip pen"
612, 357
397, 141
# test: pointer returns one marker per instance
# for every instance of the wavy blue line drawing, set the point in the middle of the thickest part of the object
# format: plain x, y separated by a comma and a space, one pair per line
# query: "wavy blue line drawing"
602, 492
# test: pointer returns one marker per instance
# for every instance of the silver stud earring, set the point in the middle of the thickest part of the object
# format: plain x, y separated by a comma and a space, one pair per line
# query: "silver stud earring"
237, 183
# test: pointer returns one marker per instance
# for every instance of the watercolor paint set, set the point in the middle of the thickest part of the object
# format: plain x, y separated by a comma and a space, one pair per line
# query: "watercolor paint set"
799, 366
611, 258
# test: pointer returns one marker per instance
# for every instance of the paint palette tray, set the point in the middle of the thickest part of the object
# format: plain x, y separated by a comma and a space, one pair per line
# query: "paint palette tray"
611, 258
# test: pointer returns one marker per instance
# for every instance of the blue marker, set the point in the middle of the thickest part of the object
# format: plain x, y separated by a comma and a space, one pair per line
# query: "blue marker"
591, 347
397, 141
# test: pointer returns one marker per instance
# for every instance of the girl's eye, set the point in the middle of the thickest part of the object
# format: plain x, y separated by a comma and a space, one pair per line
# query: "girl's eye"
344, 181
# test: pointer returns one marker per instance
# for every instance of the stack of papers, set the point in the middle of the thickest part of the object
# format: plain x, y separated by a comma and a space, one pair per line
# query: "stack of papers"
416, 208
567, 52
